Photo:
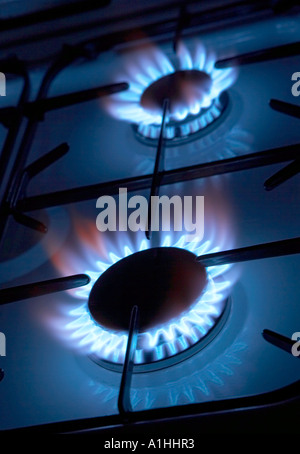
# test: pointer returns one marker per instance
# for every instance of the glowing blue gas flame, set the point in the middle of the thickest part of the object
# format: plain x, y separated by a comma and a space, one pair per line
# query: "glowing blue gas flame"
144, 67
162, 341
198, 383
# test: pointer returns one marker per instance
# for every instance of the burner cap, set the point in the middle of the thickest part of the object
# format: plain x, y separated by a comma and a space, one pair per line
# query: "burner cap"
163, 282
181, 88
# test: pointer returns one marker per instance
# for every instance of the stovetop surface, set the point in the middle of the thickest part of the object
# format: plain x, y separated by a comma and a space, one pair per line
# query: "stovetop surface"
47, 377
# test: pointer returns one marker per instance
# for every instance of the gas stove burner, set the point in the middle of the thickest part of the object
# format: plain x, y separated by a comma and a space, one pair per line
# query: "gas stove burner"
180, 308
162, 282
175, 320
194, 87
193, 127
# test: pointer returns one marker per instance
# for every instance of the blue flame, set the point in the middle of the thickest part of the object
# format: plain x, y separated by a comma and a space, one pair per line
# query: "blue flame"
184, 129
144, 67
197, 384
162, 341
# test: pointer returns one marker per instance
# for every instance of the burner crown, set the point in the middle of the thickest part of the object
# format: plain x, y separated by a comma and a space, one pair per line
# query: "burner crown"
163, 282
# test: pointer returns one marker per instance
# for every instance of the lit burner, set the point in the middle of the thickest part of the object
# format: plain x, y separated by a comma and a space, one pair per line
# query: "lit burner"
191, 128
188, 79
170, 339
182, 305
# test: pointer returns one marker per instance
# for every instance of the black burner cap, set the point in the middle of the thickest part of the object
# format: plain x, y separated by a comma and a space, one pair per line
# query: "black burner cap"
163, 282
181, 88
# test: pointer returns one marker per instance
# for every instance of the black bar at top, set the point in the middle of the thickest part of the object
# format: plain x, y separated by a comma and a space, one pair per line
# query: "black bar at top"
80, 194
21, 292
158, 167
280, 341
272, 53
259, 251
285, 107
124, 404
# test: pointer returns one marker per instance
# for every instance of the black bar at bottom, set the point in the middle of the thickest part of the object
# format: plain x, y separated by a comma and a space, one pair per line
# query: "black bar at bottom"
259, 251
21, 292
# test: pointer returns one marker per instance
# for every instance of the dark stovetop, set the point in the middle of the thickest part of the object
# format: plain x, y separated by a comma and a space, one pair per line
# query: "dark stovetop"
49, 376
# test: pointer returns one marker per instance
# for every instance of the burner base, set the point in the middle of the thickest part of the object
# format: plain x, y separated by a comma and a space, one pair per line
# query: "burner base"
191, 128
178, 357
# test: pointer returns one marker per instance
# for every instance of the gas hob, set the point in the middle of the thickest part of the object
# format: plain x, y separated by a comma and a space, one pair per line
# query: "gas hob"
139, 327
